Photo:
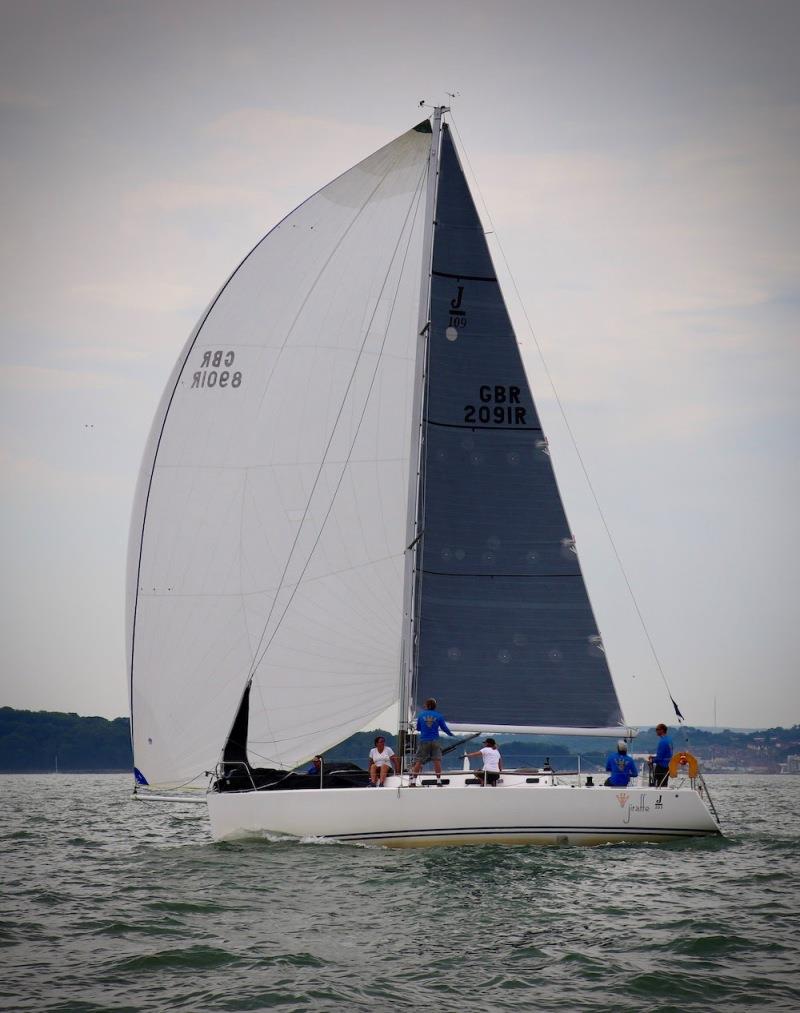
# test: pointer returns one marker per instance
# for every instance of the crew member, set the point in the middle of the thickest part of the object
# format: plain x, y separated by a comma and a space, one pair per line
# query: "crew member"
659, 764
382, 759
429, 722
620, 766
492, 763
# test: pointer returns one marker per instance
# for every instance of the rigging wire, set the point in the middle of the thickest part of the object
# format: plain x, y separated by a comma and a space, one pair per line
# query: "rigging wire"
567, 425
330, 441
408, 223
256, 658
418, 569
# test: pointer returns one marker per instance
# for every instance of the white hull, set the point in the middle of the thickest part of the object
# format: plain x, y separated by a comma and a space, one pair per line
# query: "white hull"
514, 812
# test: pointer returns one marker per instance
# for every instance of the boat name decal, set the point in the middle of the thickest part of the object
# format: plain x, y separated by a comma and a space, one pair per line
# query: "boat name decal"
636, 807
211, 375
499, 405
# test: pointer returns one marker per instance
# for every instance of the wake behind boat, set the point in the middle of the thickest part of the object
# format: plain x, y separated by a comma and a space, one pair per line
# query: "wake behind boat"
347, 502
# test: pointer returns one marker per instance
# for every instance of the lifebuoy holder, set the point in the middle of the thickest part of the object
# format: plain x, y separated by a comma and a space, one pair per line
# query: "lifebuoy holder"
683, 759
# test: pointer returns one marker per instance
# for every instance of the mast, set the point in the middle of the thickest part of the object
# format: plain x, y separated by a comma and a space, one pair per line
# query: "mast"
413, 531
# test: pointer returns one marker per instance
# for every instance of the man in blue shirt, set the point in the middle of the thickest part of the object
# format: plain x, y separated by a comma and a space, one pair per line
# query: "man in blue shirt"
429, 722
621, 767
660, 762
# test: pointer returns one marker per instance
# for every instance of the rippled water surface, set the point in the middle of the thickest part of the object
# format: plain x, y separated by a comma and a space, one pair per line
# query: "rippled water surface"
113, 904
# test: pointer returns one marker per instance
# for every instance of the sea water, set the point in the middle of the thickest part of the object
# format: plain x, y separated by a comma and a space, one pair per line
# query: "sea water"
114, 904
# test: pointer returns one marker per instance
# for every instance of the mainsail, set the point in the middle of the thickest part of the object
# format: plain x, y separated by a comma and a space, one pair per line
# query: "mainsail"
268, 530
505, 631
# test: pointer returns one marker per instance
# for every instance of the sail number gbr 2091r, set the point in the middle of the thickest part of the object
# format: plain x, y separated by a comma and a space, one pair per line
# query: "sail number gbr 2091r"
215, 371
497, 405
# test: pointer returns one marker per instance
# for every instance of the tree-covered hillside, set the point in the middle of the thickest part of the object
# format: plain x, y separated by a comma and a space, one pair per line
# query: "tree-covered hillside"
42, 741
38, 741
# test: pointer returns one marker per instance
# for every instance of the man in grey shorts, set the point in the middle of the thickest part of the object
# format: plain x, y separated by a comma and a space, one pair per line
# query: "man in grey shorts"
429, 722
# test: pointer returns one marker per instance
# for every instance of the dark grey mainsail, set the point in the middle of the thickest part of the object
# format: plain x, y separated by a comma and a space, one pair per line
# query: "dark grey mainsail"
506, 634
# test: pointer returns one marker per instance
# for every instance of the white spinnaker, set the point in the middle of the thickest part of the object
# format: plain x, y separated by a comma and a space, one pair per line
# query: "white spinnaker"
268, 528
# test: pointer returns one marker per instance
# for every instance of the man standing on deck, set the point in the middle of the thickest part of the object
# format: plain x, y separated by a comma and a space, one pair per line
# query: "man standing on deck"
429, 722
660, 762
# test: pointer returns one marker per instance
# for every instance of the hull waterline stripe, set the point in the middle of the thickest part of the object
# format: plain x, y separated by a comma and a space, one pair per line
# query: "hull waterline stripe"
542, 831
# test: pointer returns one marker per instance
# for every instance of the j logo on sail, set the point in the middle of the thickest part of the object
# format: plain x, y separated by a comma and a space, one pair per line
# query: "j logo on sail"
458, 317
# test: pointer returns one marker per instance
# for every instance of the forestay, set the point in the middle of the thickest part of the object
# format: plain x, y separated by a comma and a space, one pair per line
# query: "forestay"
268, 530
507, 637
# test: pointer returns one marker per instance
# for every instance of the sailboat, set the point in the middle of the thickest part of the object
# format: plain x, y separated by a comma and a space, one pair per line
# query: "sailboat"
346, 503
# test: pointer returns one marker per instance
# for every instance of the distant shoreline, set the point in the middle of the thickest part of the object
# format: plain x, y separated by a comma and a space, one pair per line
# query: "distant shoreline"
59, 773
50, 742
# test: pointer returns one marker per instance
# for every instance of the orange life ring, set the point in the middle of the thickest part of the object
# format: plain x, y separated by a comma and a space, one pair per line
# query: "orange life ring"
683, 760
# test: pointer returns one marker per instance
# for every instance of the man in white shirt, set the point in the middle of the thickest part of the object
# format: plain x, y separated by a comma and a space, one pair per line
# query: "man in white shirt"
381, 761
492, 763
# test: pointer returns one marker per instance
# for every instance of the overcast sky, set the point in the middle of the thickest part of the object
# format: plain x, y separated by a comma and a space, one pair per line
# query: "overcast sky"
639, 161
